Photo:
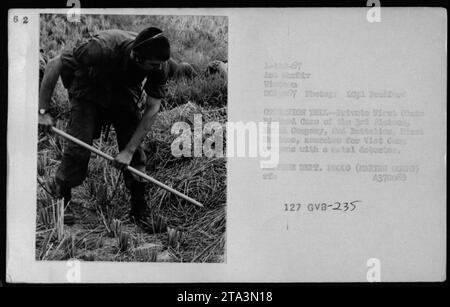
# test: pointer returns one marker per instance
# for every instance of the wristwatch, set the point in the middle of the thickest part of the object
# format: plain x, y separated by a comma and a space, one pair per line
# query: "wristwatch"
42, 111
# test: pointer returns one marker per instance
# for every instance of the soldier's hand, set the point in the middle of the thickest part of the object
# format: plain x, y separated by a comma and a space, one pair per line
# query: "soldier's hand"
46, 121
123, 159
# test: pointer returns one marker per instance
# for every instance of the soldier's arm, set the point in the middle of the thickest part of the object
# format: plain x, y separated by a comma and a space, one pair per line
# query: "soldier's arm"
148, 118
90, 53
51, 75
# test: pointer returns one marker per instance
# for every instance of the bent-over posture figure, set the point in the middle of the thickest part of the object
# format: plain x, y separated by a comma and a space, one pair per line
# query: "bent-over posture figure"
104, 80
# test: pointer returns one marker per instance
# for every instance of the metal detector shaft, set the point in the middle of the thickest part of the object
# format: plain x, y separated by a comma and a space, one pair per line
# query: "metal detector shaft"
131, 169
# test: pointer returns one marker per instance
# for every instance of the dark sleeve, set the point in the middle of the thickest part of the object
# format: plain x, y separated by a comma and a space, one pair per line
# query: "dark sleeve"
69, 65
155, 86
89, 54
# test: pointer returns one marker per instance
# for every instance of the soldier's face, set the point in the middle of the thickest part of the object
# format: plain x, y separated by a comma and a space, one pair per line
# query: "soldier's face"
149, 65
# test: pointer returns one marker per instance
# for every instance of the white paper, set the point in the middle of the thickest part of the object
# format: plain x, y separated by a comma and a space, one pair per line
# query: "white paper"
333, 80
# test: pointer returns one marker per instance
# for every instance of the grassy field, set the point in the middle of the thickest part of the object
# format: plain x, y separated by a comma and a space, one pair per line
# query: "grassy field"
103, 231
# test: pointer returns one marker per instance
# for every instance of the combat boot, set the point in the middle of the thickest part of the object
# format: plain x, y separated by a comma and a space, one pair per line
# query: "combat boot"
140, 213
138, 205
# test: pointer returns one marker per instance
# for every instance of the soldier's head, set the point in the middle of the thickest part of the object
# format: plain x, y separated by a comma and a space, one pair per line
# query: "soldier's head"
150, 49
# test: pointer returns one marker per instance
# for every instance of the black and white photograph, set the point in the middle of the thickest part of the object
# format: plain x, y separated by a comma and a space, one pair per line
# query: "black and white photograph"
114, 181
202, 145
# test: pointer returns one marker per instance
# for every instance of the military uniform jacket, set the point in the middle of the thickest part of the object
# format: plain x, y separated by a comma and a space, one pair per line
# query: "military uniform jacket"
99, 68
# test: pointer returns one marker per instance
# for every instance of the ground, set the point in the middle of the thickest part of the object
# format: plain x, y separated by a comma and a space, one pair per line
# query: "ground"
103, 231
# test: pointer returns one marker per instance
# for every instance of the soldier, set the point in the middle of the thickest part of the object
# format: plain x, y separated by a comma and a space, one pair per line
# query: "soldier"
104, 80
